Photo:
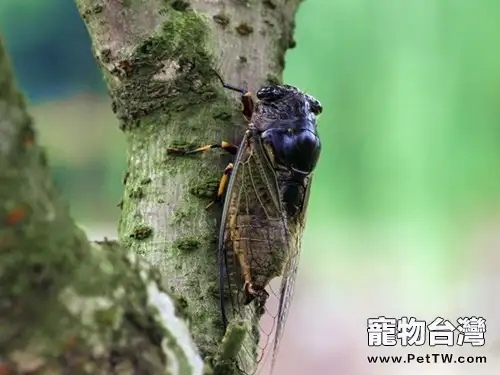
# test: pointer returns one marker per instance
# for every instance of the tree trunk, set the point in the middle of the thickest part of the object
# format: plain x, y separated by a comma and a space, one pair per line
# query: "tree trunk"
158, 58
68, 306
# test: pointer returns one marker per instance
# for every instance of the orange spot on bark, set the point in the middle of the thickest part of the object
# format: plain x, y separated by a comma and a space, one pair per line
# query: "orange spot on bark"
15, 216
124, 64
28, 137
5, 242
70, 343
29, 140
5, 369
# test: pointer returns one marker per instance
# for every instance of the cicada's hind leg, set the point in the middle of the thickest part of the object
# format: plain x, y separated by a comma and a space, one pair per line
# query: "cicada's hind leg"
222, 184
252, 293
226, 146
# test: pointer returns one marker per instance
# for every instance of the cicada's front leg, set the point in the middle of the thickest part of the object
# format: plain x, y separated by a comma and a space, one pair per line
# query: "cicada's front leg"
226, 146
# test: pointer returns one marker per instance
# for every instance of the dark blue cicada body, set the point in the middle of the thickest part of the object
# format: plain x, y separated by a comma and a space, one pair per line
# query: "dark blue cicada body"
287, 119
266, 192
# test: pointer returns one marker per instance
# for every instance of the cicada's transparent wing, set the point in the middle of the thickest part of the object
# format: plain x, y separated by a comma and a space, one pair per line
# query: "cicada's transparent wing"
296, 225
254, 246
286, 295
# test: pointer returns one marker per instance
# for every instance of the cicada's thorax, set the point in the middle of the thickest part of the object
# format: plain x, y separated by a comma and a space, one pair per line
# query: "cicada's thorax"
289, 131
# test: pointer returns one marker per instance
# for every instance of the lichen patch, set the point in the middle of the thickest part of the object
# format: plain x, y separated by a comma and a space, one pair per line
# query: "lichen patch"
168, 71
26, 362
84, 306
176, 326
91, 311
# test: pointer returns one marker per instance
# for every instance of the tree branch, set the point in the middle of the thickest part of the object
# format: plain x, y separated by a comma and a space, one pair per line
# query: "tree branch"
157, 57
67, 306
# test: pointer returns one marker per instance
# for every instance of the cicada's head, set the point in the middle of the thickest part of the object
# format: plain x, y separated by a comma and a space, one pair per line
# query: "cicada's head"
287, 120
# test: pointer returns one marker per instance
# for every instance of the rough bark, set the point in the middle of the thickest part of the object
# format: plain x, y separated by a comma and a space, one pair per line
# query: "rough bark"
68, 306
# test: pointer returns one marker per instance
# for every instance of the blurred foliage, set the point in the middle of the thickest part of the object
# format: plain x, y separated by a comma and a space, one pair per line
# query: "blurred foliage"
410, 128
410, 91
87, 153
50, 48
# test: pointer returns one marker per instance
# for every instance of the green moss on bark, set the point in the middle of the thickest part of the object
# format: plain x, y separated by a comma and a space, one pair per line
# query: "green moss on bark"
91, 10
182, 214
231, 344
180, 5
244, 29
205, 189
222, 19
141, 232
171, 99
136, 193
187, 244
170, 53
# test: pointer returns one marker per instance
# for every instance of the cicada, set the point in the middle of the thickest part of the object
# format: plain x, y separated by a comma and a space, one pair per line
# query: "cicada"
265, 192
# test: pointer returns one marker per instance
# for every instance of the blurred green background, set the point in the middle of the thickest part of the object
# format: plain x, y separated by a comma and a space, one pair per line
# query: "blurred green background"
407, 189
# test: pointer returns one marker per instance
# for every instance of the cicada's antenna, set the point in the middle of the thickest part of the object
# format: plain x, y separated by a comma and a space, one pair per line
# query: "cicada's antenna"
246, 97
227, 86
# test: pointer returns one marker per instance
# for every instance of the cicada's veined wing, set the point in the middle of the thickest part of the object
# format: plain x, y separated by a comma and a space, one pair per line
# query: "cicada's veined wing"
254, 247
296, 225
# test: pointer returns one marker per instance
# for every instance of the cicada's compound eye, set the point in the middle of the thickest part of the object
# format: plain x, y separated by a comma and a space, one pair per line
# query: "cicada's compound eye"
315, 105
